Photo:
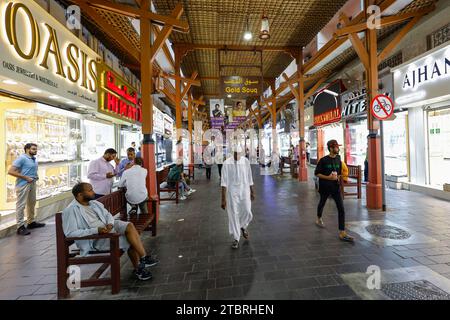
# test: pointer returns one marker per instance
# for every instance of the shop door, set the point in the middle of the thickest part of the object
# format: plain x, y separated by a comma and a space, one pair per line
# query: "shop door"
439, 150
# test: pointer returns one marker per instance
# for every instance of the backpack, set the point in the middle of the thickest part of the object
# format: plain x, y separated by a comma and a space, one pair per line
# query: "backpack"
344, 172
174, 175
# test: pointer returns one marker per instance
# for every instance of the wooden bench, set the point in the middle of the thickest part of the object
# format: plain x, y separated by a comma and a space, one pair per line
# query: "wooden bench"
161, 178
354, 181
189, 171
115, 203
283, 162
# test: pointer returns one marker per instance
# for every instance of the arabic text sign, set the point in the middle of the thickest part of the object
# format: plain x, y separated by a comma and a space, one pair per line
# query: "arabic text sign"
382, 107
241, 86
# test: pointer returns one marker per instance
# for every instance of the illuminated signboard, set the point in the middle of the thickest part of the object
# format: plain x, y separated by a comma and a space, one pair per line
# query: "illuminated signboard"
37, 50
117, 98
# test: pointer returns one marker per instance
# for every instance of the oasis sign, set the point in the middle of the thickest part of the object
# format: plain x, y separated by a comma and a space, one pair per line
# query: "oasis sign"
39, 51
425, 80
117, 98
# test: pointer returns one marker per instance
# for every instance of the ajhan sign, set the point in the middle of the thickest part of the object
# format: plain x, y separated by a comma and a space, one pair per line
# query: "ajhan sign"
241, 86
117, 98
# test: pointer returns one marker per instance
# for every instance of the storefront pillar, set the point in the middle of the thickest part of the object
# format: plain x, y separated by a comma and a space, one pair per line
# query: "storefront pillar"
302, 170
148, 148
374, 199
274, 117
191, 144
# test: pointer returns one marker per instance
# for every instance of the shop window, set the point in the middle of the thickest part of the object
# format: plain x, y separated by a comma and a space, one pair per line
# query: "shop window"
439, 140
395, 146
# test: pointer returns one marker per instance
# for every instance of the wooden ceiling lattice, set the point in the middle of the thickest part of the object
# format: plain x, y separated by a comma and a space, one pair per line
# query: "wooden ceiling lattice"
223, 22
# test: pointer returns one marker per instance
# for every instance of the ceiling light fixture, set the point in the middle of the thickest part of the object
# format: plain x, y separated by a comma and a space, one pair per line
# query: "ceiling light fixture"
264, 34
248, 34
9, 82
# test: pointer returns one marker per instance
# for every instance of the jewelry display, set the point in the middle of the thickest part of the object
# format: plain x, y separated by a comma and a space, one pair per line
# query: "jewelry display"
57, 138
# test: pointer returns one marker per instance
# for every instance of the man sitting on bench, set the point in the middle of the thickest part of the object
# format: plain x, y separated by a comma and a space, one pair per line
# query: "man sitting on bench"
85, 216
134, 180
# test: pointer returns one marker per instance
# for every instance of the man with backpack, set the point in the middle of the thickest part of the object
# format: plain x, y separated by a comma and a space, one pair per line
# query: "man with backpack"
329, 172
176, 175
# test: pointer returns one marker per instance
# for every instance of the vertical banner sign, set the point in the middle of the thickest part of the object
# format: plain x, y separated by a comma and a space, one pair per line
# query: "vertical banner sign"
217, 113
117, 98
238, 114
241, 87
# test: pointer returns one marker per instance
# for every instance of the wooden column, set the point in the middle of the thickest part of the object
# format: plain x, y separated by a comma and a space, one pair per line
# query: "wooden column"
190, 125
148, 148
374, 185
302, 170
273, 113
178, 98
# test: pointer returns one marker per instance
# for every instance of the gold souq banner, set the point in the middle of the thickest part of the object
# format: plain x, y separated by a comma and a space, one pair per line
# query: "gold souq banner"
241, 87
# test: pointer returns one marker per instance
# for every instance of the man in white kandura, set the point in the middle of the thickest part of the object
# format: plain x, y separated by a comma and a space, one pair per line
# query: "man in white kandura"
237, 194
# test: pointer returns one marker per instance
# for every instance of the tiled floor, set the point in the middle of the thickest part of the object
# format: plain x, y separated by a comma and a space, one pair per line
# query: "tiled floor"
287, 256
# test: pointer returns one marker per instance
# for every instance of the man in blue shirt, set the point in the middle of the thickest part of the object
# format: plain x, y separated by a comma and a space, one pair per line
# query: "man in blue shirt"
128, 162
24, 169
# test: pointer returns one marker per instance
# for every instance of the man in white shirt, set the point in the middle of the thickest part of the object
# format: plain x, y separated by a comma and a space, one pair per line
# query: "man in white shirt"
134, 180
237, 194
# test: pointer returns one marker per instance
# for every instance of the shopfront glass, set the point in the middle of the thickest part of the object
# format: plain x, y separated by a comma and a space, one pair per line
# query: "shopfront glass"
356, 147
312, 136
439, 142
58, 136
333, 131
126, 138
395, 146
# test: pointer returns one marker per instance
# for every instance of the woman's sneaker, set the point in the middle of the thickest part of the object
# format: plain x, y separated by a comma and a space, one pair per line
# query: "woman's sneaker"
183, 198
142, 274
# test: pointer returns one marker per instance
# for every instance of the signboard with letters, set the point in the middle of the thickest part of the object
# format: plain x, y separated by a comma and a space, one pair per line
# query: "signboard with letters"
117, 98
327, 107
424, 80
40, 52
241, 87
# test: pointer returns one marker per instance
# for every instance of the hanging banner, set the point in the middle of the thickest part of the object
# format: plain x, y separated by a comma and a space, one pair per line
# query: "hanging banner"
217, 113
241, 87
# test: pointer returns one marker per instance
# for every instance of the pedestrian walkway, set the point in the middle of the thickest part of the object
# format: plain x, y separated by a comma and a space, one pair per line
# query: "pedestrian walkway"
287, 256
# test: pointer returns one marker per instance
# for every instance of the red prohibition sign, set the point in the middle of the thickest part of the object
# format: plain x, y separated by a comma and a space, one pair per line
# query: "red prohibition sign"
382, 107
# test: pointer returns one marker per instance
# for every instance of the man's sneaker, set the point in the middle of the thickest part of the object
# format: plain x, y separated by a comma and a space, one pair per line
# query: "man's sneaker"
345, 237
149, 261
244, 233
319, 223
35, 225
23, 231
183, 198
142, 274
235, 244
192, 191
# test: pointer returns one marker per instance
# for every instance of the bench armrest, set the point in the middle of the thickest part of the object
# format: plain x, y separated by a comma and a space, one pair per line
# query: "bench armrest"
95, 237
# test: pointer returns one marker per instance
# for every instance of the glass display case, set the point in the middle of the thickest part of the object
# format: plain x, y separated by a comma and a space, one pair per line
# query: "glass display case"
57, 134
98, 137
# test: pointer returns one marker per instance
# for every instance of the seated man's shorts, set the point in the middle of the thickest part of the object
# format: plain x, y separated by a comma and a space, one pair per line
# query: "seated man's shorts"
119, 227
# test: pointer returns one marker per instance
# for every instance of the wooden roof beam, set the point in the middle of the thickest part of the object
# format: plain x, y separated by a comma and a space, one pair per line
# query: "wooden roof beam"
385, 21
138, 13
165, 32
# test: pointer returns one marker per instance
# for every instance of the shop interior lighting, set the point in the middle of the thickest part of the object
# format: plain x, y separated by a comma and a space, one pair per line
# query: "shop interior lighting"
8, 81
